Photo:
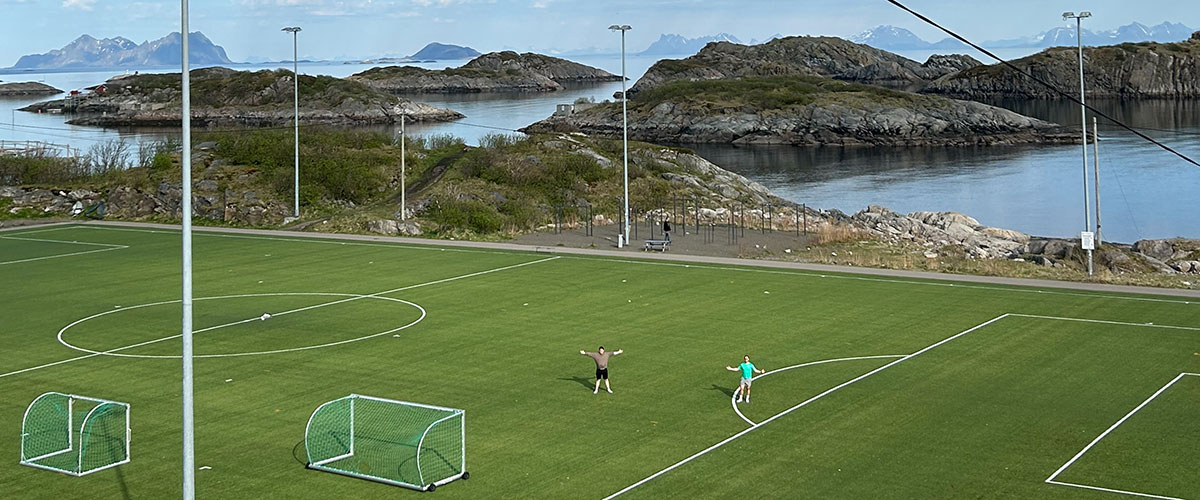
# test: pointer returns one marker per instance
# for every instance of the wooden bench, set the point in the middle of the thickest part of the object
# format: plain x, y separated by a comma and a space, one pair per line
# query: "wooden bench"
660, 245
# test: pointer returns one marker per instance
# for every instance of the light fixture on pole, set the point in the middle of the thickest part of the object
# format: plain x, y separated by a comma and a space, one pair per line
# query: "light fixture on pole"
296, 115
1085, 237
624, 238
189, 425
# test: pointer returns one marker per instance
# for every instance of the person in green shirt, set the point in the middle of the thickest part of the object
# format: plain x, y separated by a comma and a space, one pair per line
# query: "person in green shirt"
748, 370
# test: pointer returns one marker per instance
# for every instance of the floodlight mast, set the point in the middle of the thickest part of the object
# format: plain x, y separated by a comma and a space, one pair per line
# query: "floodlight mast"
189, 451
296, 116
1087, 220
624, 238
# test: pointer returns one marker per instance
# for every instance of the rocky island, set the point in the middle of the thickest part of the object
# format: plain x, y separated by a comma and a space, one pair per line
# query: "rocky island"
494, 72
1128, 70
26, 89
827, 57
799, 110
222, 96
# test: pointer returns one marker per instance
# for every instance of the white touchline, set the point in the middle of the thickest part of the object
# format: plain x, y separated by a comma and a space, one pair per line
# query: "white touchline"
108, 247
803, 404
56, 363
812, 274
698, 265
733, 398
1110, 490
1106, 322
1085, 449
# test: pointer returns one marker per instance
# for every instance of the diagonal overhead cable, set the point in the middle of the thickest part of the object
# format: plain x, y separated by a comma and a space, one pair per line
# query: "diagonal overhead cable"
1043, 82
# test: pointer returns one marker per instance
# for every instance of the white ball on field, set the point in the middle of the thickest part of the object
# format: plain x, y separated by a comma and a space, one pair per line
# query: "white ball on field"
265, 317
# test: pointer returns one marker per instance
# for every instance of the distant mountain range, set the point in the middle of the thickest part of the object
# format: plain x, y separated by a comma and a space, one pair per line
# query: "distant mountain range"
678, 45
895, 38
89, 52
672, 44
440, 51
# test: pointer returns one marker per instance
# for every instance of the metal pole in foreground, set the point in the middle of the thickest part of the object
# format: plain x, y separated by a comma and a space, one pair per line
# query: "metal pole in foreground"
296, 116
189, 451
403, 202
1096, 159
624, 125
1087, 220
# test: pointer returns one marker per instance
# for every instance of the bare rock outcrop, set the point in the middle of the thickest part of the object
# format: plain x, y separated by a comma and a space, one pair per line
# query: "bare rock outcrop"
1128, 70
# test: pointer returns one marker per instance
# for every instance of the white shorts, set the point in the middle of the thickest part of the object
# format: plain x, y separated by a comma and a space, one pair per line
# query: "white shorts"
745, 382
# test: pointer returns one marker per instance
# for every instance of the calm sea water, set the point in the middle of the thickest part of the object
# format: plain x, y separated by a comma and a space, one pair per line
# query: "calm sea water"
1145, 192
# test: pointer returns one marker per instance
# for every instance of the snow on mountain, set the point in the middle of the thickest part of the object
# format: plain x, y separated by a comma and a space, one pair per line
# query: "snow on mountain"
673, 44
894, 38
890, 37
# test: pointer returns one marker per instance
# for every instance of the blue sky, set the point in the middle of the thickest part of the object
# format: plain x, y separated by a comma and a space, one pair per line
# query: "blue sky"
368, 28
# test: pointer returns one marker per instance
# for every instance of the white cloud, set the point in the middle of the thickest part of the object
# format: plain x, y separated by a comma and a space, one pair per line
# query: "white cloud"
78, 4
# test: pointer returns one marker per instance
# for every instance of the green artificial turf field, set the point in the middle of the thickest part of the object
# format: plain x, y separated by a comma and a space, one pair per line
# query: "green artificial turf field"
959, 391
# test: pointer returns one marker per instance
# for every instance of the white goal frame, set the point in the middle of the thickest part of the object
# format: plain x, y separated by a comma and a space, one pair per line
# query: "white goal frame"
72, 430
322, 464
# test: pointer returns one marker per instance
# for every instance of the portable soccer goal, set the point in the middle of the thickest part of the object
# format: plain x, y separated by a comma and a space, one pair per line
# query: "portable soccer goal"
75, 435
395, 442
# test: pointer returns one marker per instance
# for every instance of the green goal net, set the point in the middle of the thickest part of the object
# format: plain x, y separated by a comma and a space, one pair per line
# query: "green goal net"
76, 435
396, 442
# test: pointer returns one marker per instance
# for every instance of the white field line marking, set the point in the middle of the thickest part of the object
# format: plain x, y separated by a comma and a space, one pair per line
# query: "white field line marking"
238, 354
1110, 490
314, 239
803, 404
1107, 322
1011, 288
59, 226
750, 265
733, 398
56, 363
1105, 433
108, 247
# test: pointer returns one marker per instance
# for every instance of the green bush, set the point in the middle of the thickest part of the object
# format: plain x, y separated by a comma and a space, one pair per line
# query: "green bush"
466, 214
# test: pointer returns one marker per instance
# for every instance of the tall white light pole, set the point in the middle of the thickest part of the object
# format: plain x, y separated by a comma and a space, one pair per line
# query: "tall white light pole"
625, 132
1087, 219
403, 201
189, 426
296, 114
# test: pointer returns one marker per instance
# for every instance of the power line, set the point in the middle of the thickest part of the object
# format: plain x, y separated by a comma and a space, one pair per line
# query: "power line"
1043, 82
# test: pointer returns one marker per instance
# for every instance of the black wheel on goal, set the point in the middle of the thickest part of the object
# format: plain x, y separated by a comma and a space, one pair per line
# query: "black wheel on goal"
466, 475
431, 487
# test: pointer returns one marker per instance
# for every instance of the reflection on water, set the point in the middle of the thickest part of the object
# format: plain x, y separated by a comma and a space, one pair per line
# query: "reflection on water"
1145, 191
1037, 189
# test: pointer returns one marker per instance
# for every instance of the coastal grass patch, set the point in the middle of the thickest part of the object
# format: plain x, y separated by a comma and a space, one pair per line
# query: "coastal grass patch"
1009, 382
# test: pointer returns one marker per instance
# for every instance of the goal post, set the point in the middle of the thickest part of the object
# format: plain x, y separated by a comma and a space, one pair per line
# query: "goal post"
73, 434
401, 443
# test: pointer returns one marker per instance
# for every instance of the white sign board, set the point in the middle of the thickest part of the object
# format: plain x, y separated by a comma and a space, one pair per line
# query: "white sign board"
1088, 239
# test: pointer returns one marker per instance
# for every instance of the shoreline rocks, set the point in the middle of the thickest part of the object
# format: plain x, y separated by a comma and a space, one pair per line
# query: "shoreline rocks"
13, 89
258, 98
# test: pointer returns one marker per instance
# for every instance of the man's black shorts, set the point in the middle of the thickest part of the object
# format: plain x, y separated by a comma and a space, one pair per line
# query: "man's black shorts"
602, 374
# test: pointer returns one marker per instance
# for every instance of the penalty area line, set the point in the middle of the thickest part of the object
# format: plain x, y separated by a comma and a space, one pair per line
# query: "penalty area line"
733, 398
107, 247
1052, 480
801, 405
